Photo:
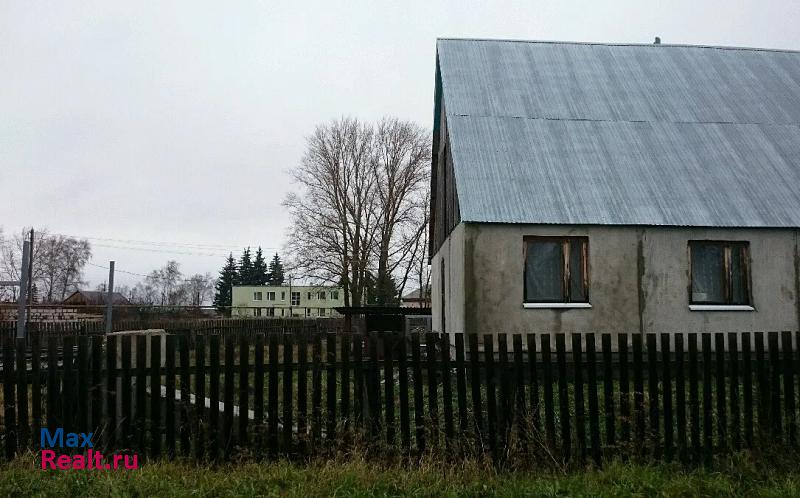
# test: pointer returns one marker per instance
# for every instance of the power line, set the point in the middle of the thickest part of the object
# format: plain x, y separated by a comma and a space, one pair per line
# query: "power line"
117, 270
226, 247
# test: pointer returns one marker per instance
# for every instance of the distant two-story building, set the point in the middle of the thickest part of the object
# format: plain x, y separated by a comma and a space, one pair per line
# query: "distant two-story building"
286, 301
580, 187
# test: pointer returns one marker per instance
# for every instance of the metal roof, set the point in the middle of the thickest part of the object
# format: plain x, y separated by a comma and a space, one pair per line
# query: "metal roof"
577, 133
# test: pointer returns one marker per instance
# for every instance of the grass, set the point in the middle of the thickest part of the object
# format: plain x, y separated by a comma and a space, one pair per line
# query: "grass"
738, 476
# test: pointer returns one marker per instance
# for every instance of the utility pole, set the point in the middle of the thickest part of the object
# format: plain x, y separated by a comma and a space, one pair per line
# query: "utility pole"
110, 297
23, 290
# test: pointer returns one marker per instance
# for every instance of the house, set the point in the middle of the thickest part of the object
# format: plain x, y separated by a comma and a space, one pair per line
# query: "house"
416, 299
287, 300
94, 298
587, 187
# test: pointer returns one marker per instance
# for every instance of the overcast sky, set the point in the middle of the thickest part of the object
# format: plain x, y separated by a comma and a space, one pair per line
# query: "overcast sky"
175, 122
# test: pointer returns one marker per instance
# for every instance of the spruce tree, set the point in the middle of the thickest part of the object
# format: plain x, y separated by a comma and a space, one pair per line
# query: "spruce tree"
260, 273
246, 269
228, 277
276, 276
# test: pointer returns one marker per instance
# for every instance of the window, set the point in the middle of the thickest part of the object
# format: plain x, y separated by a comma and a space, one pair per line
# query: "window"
270, 311
322, 312
308, 311
321, 295
283, 311
257, 312
295, 299
257, 296
283, 296
556, 270
719, 272
270, 296
309, 296
335, 295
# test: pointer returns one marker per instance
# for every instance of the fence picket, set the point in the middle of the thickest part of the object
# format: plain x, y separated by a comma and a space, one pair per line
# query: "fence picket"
563, 401
535, 427
680, 398
547, 380
244, 389
330, 350
402, 367
447, 390
431, 343
288, 385
475, 384
199, 424
652, 394
720, 391
608, 391
580, 415
519, 393
272, 403
213, 394
36, 388
139, 415
388, 385
788, 387
747, 389
110, 410
185, 374
169, 398
155, 396
419, 404
491, 401
733, 368
775, 415
594, 409
10, 408
708, 408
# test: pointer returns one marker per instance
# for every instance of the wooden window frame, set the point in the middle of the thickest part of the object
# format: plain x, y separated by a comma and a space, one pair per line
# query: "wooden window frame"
566, 271
727, 272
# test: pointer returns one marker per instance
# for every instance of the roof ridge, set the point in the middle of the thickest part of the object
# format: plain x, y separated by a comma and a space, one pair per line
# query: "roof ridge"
620, 44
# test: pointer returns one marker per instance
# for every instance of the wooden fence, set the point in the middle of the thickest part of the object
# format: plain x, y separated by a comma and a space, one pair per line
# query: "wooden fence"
568, 398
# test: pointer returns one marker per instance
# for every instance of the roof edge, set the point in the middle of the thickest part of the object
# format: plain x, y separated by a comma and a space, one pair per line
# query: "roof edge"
619, 44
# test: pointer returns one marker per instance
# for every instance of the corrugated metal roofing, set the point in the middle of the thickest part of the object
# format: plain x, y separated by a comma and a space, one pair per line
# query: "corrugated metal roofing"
573, 133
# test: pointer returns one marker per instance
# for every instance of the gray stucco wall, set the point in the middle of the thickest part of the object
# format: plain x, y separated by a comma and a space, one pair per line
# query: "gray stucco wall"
452, 253
638, 281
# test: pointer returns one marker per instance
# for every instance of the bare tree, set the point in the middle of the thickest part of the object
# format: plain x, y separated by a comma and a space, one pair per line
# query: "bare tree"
58, 263
401, 168
166, 281
198, 289
357, 218
334, 227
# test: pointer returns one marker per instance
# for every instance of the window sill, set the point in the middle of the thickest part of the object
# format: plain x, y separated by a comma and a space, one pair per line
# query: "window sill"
720, 307
556, 305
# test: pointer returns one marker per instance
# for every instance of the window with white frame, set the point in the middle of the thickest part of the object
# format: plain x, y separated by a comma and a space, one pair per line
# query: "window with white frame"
295, 299
257, 296
270, 296
556, 270
719, 272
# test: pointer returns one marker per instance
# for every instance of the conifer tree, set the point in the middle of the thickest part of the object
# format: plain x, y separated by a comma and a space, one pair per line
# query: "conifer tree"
228, 277
246, 269
276, 275
260, 273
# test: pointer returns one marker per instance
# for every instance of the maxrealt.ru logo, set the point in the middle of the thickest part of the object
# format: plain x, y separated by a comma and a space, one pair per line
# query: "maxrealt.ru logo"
50, 442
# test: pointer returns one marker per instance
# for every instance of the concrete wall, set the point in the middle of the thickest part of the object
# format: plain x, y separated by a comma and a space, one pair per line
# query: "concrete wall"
638, 281
452, 253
